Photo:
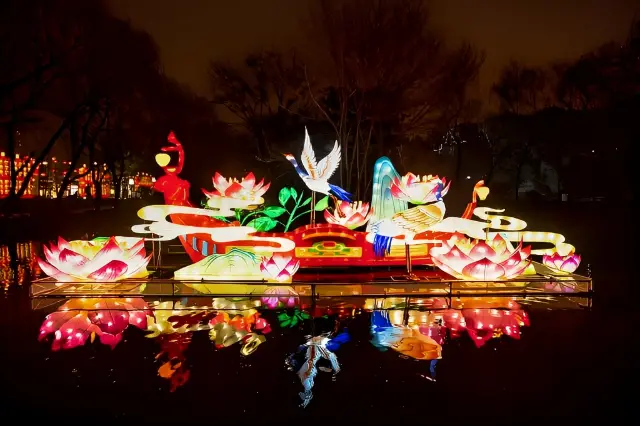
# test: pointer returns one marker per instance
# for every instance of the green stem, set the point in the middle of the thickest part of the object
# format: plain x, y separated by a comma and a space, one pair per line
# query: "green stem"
293, 211
244, 219
302, 214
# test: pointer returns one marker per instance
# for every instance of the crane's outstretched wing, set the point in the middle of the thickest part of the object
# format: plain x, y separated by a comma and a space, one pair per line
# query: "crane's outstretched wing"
419, 219
308, 157
328, 165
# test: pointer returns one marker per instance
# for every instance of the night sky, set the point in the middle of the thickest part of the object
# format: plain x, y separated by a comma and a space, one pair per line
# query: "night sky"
536, 32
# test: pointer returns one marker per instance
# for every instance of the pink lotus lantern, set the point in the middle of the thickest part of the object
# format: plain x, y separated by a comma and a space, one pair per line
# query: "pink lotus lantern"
279, 268
116, 259
81, 319
557, 262
480, 260
277, 295
349, 215
246, 190
419, 190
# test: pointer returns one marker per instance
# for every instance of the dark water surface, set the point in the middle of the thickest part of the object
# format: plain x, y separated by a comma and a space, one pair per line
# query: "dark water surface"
569, 363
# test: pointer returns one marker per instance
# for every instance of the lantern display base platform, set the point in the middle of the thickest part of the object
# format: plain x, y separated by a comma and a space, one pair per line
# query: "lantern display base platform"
342, 284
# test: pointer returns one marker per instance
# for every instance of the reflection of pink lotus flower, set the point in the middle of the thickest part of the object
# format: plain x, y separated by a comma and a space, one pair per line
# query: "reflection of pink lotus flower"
416, 190
485, 324
562, 263
349, 215
279, 268
81, 319
280, 294
247, 189
480, 260
108, 261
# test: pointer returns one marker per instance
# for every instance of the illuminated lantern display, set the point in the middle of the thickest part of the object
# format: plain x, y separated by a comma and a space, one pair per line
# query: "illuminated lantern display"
349, 215
245, 190
472, 259
280, 295
226, 330
315, 349
395, 235
482, 318
407, 341
416, 190
279, 268
81, 319
291, 320
561, 263
485, 324
109, 260
316, 174
235, 265
174, 324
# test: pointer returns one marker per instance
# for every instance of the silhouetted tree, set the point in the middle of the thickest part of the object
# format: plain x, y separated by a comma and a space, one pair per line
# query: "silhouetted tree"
521, 89
40, 45
263, 95
606, 76
391, 79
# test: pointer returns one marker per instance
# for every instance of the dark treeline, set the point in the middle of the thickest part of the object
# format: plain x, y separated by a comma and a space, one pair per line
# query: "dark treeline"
94, 83
373, 75
382, 82
579, 118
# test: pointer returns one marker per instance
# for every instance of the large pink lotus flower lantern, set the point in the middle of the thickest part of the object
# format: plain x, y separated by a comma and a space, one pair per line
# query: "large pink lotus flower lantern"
561, 263
349, 215
81, 319
419, 190
245, 190
472, 259
106, 261
279, 268
277, 295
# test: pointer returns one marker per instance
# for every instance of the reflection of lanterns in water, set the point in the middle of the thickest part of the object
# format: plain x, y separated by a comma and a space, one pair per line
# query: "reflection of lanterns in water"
26, 264
482, 319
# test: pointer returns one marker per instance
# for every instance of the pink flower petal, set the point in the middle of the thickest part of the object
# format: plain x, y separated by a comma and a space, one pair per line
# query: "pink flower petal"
62, 244
571, 264
234, 189
109, 272
249, 181
53, 272
110, 340
514, 265
72, 258
263, 190
137, 269
483, 269
220, 183
54, 321
482, 250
